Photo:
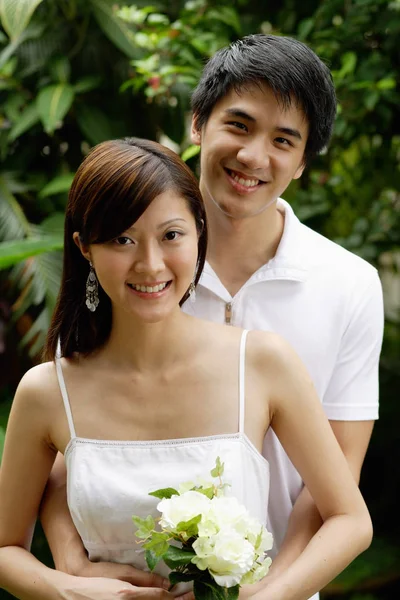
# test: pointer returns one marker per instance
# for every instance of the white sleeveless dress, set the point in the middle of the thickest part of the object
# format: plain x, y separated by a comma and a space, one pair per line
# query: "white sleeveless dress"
109, 481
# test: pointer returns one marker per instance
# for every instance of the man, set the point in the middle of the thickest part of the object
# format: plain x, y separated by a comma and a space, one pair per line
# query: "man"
263, 108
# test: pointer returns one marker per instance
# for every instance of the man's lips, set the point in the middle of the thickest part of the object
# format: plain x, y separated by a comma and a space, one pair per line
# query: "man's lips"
241, 182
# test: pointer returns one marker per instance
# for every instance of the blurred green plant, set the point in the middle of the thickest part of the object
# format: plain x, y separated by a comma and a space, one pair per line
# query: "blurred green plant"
77, 72
61, 67
173, 46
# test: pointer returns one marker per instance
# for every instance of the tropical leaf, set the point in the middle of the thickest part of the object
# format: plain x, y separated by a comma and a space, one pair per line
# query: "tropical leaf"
60, 69
13, 223
38, 329
16, 14
53, 103
28, 118
40, 45
14, 251
86, 84
54, 224
58, 185
113, 27
93, 123
190, 152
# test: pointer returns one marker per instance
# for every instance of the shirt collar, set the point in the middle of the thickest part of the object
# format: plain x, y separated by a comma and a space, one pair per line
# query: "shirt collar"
289, 262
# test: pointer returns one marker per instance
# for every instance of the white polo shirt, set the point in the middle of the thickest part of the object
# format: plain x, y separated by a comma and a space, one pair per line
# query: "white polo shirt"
327, 302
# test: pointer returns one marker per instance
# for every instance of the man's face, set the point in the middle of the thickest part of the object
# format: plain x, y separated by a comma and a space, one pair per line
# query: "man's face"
251, 149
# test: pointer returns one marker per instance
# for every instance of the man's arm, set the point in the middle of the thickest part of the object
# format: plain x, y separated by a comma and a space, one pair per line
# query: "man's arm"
305, 520
351, 405
66, 546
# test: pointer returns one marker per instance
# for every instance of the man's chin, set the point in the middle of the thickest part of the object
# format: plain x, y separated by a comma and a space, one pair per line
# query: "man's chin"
238, 213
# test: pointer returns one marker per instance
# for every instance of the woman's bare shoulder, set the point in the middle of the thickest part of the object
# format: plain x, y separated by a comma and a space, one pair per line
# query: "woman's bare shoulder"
270, 352
38, 386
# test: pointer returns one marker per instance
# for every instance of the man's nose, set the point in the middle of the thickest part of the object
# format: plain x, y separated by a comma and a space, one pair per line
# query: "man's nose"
149, 258
255, 155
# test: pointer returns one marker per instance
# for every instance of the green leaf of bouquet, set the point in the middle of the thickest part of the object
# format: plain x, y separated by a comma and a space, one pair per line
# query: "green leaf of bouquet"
164, 493
151, 559
218, 470
232, 593
176, 577
158, 543
204, 590
189, 527
209, 492
145, 526
176, 557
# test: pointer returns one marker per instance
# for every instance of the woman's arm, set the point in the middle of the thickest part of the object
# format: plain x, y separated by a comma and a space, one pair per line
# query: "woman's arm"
66, 546
27, 460
298, 420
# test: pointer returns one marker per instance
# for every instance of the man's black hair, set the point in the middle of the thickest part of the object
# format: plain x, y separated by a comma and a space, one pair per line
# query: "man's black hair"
289, 67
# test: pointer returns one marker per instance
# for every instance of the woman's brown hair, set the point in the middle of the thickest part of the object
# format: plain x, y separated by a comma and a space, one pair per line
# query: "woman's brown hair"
112, 188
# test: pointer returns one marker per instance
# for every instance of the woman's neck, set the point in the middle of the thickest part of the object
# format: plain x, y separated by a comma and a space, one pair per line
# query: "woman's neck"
146, 346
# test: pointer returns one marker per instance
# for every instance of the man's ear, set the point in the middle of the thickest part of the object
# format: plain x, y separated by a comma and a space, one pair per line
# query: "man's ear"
82, 247
300, 170
195, 132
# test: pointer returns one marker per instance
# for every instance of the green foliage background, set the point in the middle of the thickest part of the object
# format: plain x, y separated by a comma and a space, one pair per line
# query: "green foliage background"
76, 72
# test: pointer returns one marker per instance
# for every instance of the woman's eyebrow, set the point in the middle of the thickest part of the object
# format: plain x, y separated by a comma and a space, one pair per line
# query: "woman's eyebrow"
161, 225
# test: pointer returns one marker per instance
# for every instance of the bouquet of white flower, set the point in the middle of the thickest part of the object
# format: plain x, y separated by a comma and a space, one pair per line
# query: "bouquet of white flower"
215, 542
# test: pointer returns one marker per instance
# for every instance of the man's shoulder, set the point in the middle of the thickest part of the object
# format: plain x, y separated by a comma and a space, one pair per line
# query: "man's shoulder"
321, 253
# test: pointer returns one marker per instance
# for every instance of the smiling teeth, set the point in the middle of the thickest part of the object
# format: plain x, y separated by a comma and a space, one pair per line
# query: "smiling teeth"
148, 289
245, 182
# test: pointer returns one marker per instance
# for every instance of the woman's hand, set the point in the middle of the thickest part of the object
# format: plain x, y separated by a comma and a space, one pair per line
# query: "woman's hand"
125, 573
104, 588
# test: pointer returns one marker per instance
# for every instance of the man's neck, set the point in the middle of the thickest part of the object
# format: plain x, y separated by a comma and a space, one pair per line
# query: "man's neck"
237, 248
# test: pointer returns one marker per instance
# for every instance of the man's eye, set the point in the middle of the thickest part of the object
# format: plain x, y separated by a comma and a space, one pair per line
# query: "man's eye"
284, 141
172, 235
238, 124
122, 240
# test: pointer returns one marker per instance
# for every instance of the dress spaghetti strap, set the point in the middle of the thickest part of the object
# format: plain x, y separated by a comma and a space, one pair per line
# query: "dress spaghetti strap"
63, 390
242, 360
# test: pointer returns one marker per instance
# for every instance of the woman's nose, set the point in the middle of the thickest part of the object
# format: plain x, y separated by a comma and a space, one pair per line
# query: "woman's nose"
149, 259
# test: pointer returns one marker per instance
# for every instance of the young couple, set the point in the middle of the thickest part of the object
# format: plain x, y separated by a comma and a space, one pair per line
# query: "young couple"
141, 395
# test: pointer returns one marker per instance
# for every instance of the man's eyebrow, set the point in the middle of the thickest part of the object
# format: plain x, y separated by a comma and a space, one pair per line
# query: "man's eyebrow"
241, 114
161, 225
289, 131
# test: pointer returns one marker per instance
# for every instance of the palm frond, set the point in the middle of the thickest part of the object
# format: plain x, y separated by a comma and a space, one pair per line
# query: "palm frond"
13, 223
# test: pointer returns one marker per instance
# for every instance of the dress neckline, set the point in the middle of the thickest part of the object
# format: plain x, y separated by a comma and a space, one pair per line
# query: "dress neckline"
239, 436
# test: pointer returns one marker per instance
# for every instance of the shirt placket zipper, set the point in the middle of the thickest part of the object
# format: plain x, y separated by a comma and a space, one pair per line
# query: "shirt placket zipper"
228, 313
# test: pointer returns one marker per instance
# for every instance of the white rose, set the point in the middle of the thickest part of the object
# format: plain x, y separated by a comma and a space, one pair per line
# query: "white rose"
182, 508
227, 556
258, 573
224, 512
253, 529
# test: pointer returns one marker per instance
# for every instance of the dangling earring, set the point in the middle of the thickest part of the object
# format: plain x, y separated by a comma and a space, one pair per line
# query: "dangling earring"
192, 292
92, 290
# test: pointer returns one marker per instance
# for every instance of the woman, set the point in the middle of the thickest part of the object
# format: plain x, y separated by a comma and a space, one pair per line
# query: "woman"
145, 396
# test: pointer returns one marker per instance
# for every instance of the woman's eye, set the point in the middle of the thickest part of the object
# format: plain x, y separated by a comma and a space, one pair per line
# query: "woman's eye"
122, 240
172, 235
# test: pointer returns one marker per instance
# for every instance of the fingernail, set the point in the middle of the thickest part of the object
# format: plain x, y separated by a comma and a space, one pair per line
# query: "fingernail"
166, 584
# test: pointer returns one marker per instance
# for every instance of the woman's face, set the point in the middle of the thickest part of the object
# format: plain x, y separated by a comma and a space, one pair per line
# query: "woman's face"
148, 268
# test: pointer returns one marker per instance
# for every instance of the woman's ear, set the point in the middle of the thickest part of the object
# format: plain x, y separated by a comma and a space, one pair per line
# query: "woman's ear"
82, 247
